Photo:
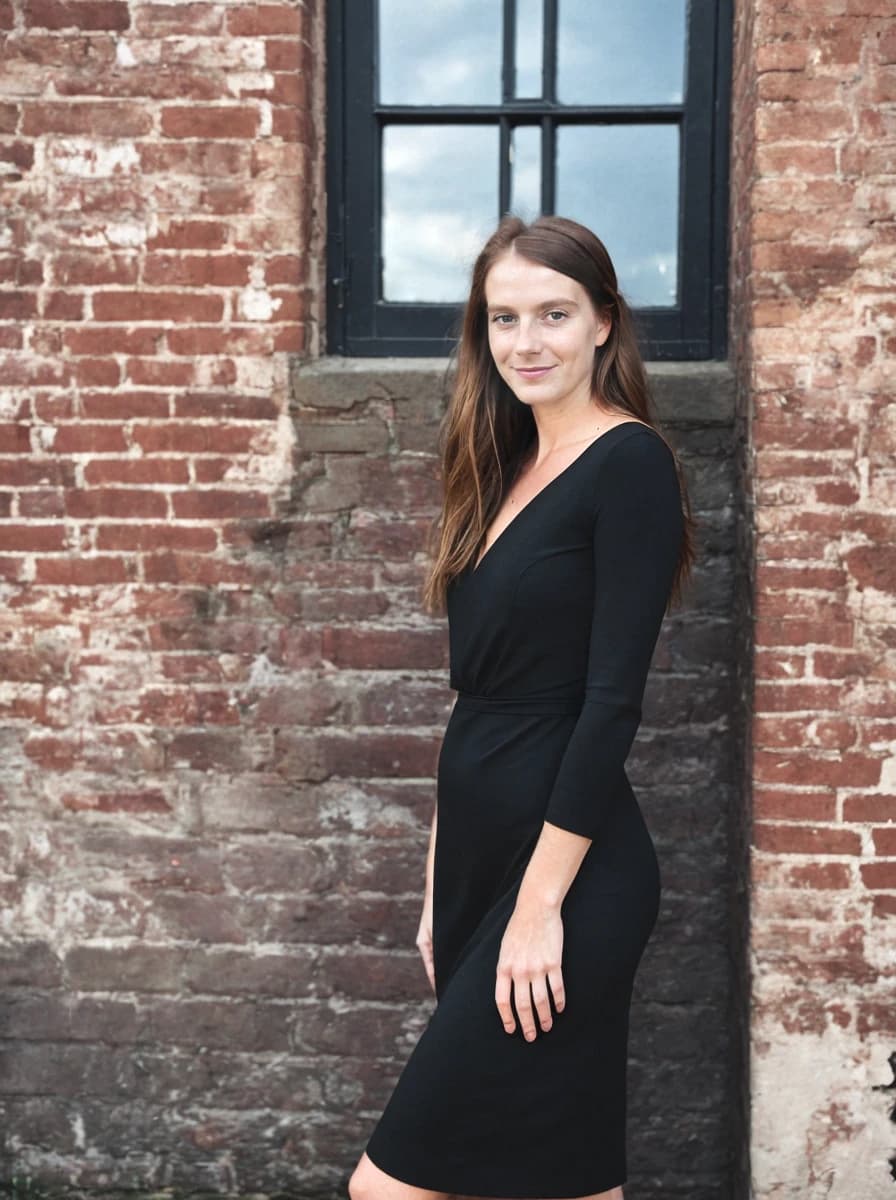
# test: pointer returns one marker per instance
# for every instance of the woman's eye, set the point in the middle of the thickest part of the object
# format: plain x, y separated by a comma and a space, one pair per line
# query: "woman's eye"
502, 318
558, 314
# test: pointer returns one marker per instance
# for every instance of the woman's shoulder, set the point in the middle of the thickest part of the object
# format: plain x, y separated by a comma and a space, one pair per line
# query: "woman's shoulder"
639, 460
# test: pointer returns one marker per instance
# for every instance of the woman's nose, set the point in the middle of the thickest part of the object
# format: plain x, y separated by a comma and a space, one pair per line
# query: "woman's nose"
528, 338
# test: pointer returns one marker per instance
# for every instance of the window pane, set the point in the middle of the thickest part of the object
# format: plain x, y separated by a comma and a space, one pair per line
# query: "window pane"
529, 48
445, 53
622, 182
525, 171
440, 202
609, 53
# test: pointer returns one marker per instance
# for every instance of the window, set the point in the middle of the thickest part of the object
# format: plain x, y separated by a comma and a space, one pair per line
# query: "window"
441, 117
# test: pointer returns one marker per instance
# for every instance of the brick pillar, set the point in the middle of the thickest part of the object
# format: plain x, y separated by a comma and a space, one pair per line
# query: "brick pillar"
814, 300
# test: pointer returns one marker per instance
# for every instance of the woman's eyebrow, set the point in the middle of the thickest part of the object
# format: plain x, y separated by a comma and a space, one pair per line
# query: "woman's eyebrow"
543, 304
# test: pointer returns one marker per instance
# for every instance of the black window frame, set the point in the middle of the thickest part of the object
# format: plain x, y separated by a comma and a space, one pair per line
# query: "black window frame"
361, 324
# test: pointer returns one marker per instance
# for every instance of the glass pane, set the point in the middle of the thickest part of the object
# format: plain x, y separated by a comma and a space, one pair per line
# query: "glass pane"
528, 48
445, 53
440, 203
632, 53
525, 171
622, 182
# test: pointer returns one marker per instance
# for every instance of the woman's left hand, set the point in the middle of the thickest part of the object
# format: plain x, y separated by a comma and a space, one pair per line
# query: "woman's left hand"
530, 958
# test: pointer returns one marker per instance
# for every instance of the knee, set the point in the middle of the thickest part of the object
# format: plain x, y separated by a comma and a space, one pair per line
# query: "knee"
360, 1184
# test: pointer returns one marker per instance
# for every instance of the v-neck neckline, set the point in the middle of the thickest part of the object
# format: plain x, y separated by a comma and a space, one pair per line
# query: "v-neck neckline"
541, 491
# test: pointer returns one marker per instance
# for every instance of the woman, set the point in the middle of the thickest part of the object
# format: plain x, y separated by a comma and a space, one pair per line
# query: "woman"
564, 535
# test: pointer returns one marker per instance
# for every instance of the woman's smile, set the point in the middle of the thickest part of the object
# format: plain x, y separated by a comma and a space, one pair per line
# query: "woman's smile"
533, 372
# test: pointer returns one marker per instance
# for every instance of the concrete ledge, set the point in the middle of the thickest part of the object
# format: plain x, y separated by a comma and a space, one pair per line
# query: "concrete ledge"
698, 393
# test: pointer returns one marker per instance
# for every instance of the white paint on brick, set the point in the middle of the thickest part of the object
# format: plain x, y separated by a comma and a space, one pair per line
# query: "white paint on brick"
241, 82
232, 53
265, 118
42, 438
90, 158
263, 673
256, 303
271, 462
124, 55
125, 233
254, 373
77, 1123
820, 1131
9, 404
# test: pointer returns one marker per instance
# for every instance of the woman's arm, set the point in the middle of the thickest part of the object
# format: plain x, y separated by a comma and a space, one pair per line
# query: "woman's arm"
637, 540
424, 932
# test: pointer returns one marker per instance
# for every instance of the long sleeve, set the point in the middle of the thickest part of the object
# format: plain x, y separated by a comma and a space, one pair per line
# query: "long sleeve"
637, 539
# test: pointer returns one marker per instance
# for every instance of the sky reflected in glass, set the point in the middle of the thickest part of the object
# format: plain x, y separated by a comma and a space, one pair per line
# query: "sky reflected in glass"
622, 182
444, 53
609, 53
440, 202
525, 171
529, 48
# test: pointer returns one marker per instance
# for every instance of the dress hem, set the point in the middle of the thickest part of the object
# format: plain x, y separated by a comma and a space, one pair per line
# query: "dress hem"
464, 1187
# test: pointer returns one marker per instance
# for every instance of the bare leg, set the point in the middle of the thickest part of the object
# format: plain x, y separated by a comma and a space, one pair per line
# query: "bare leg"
368, 1182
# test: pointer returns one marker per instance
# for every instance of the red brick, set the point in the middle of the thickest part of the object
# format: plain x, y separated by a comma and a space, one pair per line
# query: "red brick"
805, 839
115, 119
770, 804
115, 502
14, 439
224, 121
872, 809
187, 437
147, 801
112, 15
183, 307
96, 372
883, 905
265, 20
163, 20
216, 504
124, 405
189, 235
80, 269
88, 439
879, 875
159, 372
23, 538
9, 118
814, 769
824, 876
143, 536
94, 341
885, 842
84, 571
197, 270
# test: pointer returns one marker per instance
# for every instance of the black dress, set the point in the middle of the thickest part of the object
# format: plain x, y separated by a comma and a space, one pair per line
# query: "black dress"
551, 637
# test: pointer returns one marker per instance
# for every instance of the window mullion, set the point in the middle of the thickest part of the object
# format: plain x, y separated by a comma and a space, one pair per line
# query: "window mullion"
504, 168
508, 71
549, 68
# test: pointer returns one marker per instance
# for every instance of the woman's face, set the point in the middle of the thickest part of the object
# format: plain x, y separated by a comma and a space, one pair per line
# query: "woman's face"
542, 331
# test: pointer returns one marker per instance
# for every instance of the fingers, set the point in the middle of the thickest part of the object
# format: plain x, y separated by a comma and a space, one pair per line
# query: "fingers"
555, 979
542, 1006
532, 1000
502, 998
424, 945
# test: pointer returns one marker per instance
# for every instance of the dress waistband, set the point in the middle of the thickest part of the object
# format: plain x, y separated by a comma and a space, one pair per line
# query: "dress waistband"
546, 705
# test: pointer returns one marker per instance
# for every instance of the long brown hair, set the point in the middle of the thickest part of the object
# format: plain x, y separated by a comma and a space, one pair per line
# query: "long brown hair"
486, 431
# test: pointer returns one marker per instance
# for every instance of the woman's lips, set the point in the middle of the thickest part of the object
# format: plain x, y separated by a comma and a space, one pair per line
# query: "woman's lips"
532, 372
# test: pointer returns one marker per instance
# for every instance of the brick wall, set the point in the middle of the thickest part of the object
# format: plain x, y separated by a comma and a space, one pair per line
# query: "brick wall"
221, 704
368, 431
164, 910
814, 303
221, 701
